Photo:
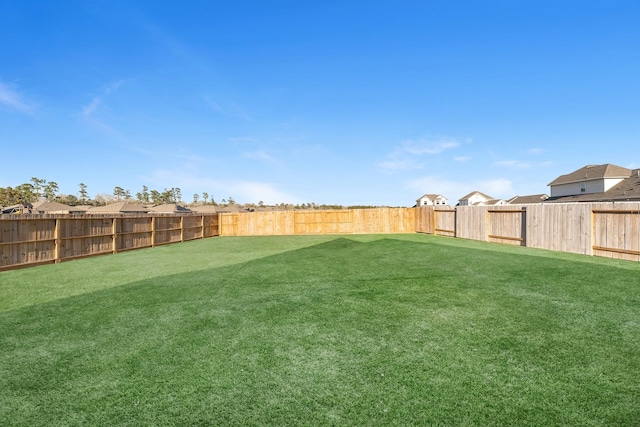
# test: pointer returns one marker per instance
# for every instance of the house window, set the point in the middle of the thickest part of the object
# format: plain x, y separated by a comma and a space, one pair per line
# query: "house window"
583, 187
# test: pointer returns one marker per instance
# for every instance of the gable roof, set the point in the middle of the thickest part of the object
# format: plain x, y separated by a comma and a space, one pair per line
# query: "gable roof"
522, 200
230, 209
169, 208
53, 207
204, 209
120, 207
468, 196
592, 172
626, 190
431, 197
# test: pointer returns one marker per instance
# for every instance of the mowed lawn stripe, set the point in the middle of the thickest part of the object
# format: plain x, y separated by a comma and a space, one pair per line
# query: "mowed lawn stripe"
356, 330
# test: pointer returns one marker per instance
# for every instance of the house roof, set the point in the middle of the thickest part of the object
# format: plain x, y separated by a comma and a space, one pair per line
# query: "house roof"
204, 209
266, 209
431, 197
626, 190
14, 208
46, 206
120, 207
230, 208
533, 198
169, 208
592, 172
468, 196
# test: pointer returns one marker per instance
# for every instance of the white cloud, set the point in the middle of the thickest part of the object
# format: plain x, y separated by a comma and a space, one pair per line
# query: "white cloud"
514, 164
89, 109
241, 191
253, 192
395, 165
428, 146
90, 112
113, 86
454, 190
260, 155
407, 155
462, 158
499, 188
14, 100
521, 165
242, 140
212, 104
535, 151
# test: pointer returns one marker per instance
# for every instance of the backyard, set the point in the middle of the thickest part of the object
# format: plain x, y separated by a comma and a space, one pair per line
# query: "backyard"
397, 329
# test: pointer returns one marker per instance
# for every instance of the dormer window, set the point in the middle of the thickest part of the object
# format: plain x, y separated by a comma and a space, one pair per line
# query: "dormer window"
583, 187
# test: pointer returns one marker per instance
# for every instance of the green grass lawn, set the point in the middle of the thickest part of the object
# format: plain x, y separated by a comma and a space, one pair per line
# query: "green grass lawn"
322, 330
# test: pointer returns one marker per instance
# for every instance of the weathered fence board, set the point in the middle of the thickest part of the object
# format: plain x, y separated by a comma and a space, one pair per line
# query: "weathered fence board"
602, 229
560, 227
617, 231
507, 225
444, 222
425, 220
471, 222
36, 239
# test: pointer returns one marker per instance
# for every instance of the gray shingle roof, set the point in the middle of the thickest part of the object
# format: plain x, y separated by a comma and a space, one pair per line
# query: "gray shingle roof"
626, 190
169, 208
522, 200
593, 172
120, 207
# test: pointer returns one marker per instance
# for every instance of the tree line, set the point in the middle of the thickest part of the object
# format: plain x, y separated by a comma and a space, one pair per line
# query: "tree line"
41, 189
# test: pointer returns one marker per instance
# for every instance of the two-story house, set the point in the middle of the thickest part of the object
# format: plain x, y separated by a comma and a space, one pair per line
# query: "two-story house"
432, 200
589, 179
476, 198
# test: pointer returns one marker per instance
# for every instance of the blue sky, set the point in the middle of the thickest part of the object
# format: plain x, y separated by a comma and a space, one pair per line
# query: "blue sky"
337, 102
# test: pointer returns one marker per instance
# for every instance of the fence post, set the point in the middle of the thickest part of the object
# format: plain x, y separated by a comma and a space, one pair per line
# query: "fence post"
182, 228
434, 220
487, 226
114, 235
58, 241
153, 231
592, 231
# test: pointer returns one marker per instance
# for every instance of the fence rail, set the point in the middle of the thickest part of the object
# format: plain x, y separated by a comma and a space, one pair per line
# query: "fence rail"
27, 240
601, 229
342, 221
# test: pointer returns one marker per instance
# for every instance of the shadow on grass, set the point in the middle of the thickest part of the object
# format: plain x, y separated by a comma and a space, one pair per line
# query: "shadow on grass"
348, 331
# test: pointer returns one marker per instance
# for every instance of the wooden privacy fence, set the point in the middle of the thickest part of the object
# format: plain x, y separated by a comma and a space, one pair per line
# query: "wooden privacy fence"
38, 239
27, 240
343, 221
602, 229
